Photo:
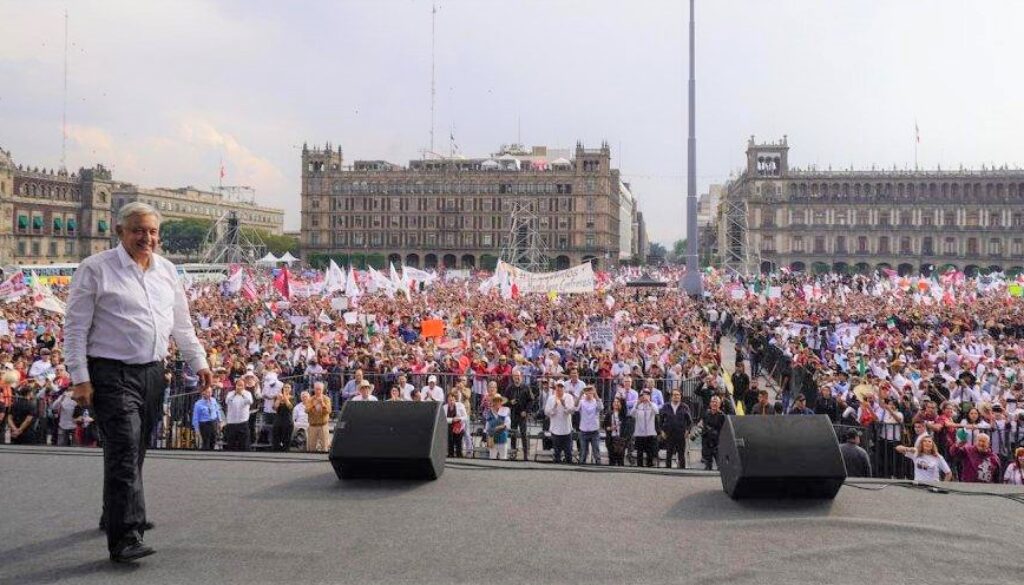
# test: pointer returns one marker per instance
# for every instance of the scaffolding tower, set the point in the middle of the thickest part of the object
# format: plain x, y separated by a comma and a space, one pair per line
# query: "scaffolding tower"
524, 246
227, 243
738, 256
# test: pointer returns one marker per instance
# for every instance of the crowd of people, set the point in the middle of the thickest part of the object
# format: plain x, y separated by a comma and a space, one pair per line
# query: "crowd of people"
921, 374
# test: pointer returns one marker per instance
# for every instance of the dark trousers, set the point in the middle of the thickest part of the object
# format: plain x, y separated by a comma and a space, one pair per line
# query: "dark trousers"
283, 436
267, 434
675, 444
709, 449
646, 446
562, 445
127, 400
455, 443
519, 426
616, 447
236, 437
208, 434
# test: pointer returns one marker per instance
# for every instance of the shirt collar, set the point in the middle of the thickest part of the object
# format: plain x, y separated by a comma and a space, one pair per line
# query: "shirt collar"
124, 256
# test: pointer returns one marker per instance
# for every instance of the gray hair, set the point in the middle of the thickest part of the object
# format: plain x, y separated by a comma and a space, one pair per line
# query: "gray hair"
136, 208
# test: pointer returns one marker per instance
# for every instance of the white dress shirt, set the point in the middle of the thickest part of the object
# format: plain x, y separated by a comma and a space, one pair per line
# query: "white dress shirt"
238, 406
560, 416
117, 311
359, 398
407, 391
436, 393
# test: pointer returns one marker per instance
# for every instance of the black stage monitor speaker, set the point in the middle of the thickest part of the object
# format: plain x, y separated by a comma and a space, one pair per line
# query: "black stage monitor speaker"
792, 456
394, 440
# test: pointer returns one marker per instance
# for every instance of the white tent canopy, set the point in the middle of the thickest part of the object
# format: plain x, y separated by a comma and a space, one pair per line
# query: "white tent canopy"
287, 258
269, 259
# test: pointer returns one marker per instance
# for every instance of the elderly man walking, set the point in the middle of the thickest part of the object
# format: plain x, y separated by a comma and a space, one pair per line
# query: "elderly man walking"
125, 304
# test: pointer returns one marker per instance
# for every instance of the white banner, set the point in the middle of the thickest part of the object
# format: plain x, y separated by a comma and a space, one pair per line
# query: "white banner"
579, 279
602, 334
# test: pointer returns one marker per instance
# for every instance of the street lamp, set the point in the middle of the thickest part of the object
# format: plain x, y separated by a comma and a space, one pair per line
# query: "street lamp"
691, 282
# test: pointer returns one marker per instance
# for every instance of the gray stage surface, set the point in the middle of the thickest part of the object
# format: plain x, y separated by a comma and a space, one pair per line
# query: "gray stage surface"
287, 519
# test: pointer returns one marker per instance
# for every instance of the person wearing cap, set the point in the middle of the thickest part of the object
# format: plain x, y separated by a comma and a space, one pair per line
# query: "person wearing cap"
365, 393
432, 391
559, 409
124, 306
800, 406
270, 391
856, 459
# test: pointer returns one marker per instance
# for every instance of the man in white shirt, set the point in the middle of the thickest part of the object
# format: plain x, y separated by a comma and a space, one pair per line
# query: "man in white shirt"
405, 388
365, 393
236, 432
41, 366
559, 408
125, 304
646, 430
590, 423
432, 391
271, 390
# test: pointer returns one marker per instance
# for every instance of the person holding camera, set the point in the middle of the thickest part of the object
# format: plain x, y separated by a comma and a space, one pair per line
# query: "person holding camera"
676, 422
520, 401
646, 430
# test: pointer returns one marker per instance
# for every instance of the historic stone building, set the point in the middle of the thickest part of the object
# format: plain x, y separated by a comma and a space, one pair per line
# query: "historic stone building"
49, 217
457, 211
52, 216
192, 203
774, 216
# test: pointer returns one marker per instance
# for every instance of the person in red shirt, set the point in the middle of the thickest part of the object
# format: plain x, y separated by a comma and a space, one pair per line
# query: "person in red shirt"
978, 463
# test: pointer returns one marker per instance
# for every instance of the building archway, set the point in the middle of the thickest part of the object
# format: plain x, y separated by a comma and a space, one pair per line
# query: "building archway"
841, 268
971, 271
862, 268
430, 261
798, 267
561, 262
927, 269
1013, 271
905, 269
993, 268
450, 261
882, 266
468, 261
413, 260
395, 259
947, 268
820, 268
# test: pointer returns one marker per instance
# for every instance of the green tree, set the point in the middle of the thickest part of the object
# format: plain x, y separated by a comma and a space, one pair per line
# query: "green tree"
678, 250
657, 253
184, 236
277, 244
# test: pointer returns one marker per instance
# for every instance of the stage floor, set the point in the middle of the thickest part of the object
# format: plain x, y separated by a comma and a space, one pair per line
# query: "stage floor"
287, 519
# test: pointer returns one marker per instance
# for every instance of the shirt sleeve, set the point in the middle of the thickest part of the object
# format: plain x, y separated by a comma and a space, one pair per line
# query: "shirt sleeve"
184, 333
943, 466
78, 321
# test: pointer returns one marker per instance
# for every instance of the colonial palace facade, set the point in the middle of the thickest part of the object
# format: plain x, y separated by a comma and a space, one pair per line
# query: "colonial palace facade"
456, 212
773, 216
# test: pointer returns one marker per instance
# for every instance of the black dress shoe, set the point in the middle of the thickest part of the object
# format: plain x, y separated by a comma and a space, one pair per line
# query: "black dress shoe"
131, 552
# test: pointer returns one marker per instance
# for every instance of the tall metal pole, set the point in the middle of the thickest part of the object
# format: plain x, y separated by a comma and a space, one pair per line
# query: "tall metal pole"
691, 282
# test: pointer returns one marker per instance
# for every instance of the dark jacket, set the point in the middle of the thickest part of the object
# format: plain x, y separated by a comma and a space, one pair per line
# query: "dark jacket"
678, 422
858, 464
520, 399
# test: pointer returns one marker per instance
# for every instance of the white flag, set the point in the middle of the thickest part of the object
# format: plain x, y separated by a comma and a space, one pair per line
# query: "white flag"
334, 279
351, 286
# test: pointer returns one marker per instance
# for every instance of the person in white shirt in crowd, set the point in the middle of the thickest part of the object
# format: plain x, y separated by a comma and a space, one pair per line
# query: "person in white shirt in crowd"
1014, 473
645, 430
41, 366
69, 416
929, 465
365, 393
271, 390
559, 408
574, 385
303, 355
405, 388
236, 431
590, 408
626, 392
300, 420
432, 391
352, 386
657, 398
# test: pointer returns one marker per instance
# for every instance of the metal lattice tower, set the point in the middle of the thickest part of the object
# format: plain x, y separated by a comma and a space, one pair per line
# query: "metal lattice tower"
737, 254
227, 243
525, 247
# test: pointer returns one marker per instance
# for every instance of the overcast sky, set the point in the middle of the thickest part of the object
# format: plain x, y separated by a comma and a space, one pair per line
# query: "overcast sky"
162, 91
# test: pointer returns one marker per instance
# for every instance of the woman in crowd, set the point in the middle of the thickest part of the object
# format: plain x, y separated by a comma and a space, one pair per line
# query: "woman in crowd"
457, 418
1014, 473
615, 437
283, 425
929, 465
497, 421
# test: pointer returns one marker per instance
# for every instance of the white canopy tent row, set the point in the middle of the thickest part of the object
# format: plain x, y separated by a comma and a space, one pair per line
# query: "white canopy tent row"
269, 259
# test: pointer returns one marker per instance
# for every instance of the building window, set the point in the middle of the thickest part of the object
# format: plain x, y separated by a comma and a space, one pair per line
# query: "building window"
819, 218
591, 241
927, 246
949, 247
905, 218
883, 218
53, 249
995, 247
37, 224
840, 244
563, 242
862, 244
798, 243
1017, 247
449, 239
21, 247
995, 219
949, 218
103, 227
314, 239
69, 248
22, 223
486, 240
972, 246
927, 218
35, 248
973, 218
590, 222
883, 245
72, 225
905, 247
819, 244
768, 244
